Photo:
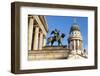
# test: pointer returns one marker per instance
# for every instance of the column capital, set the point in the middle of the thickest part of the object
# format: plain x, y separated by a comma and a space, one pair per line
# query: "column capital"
31, 16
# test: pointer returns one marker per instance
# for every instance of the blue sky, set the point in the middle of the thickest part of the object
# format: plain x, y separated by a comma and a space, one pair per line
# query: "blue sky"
64, 23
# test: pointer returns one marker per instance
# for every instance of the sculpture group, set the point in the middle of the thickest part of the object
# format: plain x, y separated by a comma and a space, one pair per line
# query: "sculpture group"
57, 37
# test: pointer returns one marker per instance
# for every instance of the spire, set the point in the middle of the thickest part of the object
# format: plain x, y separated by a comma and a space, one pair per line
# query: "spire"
74, 20
74, 25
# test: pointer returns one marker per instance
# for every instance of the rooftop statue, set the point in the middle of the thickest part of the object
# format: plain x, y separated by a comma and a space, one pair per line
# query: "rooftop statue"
56, 37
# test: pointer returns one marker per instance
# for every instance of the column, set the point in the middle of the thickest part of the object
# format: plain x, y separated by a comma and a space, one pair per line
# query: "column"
70, 45
41, 41
44, 41
77, 44
36, 37
74, 45
30, 32
81, 45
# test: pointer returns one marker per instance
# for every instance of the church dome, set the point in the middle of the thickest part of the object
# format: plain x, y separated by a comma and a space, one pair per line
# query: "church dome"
75, 27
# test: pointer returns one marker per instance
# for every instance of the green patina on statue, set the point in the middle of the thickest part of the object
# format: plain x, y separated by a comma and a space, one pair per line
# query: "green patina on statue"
56, 38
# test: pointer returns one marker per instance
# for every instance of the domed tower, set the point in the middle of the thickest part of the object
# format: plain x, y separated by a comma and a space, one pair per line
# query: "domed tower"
75, 39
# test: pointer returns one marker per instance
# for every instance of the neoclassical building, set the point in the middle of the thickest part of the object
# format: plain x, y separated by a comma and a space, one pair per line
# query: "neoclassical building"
37, 30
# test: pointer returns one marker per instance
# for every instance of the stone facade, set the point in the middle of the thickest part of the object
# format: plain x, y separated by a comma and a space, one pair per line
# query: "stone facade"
37, 30
49, 53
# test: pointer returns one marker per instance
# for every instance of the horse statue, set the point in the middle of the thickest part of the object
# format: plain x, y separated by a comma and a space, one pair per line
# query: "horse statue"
55, 32
57, 37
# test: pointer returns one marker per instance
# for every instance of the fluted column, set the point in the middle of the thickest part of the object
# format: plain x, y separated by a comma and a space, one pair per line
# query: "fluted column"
30, 33
41, 41
36, 38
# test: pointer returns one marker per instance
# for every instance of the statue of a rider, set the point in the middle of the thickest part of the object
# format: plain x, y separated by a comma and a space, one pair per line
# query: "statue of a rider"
56, 37
56, 33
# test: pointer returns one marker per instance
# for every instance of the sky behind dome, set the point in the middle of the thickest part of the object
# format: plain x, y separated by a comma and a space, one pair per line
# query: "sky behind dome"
64, 23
